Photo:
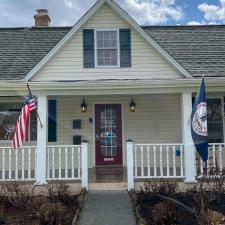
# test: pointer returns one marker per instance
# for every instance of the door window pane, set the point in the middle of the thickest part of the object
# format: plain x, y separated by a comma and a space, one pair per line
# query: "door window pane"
108, 135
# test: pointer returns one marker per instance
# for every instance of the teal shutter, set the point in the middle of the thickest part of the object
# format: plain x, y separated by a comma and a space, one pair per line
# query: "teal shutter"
88, 48
52, 120
125, 48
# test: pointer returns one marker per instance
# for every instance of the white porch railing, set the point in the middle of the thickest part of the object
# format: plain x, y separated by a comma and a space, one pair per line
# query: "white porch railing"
154, 161
19, 164
216, 158
158, 160
64, 162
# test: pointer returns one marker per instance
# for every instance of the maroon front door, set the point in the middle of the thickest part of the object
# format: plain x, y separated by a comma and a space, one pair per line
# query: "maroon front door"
108, 134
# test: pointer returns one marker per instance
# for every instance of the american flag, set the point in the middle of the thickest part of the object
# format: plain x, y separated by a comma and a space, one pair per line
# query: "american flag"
22, 125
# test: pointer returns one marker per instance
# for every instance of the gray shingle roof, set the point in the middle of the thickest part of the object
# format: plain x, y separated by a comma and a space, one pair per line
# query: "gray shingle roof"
199, 49
22, 48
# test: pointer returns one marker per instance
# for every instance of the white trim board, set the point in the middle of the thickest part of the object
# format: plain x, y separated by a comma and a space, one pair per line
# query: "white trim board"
127, 18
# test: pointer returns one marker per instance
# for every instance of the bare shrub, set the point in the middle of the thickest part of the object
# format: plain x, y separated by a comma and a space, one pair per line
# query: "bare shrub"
18, 194
201, 200
59, 192
215, 218
52, 191
37, 203
215, 184
165, 213
161, 186
50, 214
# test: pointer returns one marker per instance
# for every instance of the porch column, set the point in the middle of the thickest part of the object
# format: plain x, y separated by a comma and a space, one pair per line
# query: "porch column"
189, 150
42, 132
84, 165
130, 165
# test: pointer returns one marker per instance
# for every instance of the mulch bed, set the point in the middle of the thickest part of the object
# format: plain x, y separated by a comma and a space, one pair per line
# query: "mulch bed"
32, 215
147, 207
151, 207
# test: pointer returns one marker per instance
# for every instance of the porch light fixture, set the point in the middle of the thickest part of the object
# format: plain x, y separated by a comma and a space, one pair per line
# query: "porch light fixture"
132, 105
83, 106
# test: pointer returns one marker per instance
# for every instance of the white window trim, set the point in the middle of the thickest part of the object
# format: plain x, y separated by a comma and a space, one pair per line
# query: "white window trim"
118, 47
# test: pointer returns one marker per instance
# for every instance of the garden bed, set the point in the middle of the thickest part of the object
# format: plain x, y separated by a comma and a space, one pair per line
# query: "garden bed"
161, 203
21, 206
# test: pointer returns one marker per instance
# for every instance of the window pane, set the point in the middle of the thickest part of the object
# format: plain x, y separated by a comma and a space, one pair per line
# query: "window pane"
107, 61
99, 35
113, 35
100, 43
100, 53
106, 43
113, 43
100, 61
106, 34
114, 53
107, 53
113, 61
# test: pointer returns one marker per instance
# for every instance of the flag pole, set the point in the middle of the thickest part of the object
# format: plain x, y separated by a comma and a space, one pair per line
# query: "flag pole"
38, 116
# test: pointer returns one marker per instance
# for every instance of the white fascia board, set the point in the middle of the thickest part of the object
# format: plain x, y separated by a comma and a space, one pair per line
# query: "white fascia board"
64, 40
110, 85
124, 15
148, 38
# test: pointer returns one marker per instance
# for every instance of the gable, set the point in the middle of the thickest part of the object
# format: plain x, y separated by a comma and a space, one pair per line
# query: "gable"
67, 63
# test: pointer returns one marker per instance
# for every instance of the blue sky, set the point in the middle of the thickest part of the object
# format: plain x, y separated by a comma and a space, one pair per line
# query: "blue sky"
19, 13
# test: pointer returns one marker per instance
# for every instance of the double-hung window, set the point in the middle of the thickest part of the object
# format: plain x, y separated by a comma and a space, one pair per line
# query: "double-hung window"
106, 48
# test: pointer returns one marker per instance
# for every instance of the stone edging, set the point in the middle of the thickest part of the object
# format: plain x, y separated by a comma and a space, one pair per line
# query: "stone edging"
139, 219
81, 198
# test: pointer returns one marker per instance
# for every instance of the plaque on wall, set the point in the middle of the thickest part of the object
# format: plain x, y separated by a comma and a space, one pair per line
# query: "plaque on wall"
76, 124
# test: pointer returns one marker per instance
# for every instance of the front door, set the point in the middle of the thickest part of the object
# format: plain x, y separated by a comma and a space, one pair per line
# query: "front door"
108, 134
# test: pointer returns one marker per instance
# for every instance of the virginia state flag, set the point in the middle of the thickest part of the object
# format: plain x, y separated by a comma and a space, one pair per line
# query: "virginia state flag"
199, 128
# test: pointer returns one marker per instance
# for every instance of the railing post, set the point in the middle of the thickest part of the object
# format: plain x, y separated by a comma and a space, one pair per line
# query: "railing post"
189, 150
130, 165
84, 164
42, 131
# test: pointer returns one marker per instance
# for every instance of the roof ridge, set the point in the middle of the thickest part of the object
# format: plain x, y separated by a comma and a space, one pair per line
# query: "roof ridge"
182, 26
34, 28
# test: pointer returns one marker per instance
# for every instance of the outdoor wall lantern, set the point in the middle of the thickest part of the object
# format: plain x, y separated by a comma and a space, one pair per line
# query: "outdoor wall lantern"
83, 106
132, 105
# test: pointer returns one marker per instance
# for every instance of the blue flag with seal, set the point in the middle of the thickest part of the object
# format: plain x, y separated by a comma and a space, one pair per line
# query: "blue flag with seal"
199, 128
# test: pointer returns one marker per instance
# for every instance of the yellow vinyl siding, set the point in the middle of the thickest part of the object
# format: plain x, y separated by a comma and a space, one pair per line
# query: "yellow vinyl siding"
67, 64
157, 119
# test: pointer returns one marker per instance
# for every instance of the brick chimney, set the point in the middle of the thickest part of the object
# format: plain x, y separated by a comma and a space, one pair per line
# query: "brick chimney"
42, 18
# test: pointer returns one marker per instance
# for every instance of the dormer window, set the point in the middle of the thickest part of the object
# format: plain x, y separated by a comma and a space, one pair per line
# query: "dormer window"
106, 51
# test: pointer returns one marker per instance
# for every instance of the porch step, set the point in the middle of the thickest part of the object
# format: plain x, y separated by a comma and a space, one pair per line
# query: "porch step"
107, 186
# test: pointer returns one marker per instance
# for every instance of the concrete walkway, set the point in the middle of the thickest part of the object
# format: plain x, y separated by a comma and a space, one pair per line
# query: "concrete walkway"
107, 208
